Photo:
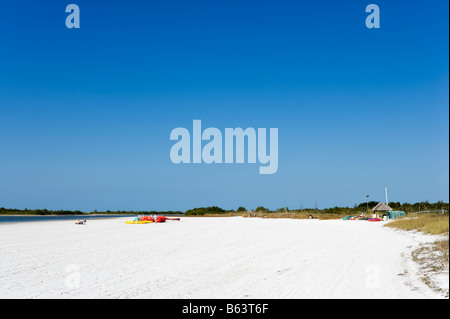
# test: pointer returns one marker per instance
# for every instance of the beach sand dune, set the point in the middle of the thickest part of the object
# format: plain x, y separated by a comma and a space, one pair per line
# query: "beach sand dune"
209, 258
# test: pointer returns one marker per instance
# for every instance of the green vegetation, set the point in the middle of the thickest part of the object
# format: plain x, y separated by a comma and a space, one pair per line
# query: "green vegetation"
417, 207
327, 213
205, 211
362, 208
285, 212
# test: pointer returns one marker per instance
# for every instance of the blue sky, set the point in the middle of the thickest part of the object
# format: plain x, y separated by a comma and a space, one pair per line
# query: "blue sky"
86, 114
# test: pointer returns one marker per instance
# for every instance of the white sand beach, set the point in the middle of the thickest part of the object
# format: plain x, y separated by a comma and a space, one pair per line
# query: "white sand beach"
209, 258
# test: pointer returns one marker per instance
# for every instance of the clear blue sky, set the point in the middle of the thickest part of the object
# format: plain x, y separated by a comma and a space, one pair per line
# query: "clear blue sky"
86, 114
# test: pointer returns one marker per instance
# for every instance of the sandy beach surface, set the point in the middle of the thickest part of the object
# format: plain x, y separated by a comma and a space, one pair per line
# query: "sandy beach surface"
199, 257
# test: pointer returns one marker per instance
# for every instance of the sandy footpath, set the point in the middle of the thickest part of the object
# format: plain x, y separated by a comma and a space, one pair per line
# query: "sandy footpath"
209, 258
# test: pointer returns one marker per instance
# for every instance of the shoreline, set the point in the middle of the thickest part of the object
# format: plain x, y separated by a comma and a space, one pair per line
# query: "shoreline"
78, 215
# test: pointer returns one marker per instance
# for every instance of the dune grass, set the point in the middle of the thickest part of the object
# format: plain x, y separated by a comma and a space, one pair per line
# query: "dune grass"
290, 215
432, 258
300, 215
435, 224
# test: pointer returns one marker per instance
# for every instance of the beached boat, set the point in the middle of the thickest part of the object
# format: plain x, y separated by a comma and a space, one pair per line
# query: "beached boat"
139, 222
150, 219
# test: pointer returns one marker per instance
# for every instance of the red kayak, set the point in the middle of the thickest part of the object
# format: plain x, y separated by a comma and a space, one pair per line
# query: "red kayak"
157, 219
374, 220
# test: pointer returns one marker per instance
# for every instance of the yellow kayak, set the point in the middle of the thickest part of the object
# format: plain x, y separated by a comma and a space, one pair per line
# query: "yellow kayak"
140, 222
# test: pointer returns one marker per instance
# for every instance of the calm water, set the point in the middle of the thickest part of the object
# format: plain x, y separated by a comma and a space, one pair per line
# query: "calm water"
19, 219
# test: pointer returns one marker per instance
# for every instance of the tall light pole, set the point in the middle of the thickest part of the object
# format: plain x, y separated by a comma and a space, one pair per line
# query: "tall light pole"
367, 202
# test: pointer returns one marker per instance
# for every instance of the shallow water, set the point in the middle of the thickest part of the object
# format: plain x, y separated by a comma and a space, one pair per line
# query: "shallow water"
40, 218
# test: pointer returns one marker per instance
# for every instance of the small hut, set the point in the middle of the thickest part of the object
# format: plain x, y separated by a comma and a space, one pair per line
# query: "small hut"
381, 207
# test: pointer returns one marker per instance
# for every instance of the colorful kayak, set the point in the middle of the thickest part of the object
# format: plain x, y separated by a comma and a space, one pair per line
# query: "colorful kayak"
139, 222
150, 219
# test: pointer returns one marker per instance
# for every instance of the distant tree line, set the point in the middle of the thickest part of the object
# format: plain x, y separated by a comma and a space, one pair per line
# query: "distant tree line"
362, 207
214, 210
205, 211
421, 206
357, 208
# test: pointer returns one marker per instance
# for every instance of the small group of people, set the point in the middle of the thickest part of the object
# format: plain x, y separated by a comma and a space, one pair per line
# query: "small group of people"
80, 222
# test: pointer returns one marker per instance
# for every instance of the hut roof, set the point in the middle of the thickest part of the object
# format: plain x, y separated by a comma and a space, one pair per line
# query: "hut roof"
381, 207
